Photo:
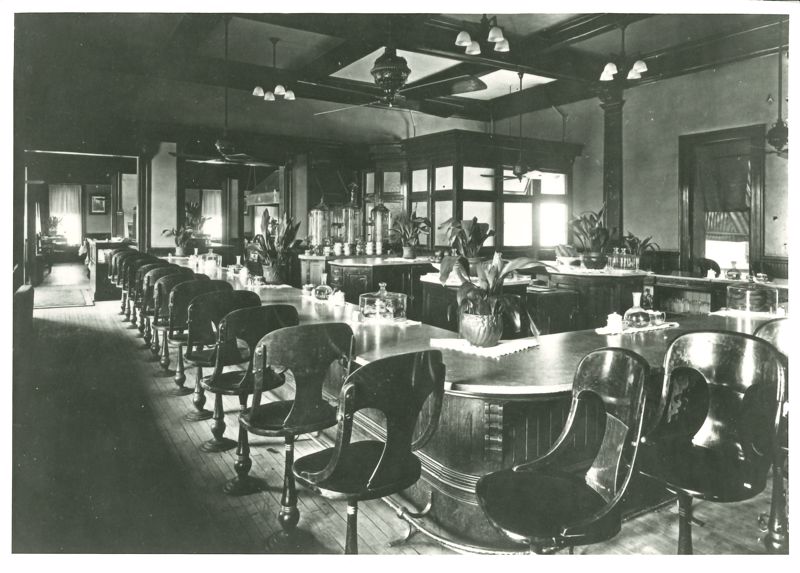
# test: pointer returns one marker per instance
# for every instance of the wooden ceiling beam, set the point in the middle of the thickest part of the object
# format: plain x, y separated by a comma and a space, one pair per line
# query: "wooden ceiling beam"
754, 41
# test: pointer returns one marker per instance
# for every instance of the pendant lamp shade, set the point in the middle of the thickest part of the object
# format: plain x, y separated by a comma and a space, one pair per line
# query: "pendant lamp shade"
639, 67
473, 49
258, 91
502, 46
279, 90
289, 95
269, 96
608, 72
463, 39
495, 34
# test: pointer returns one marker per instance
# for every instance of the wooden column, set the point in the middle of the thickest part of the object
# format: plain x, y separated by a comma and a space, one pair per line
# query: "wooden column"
612, 102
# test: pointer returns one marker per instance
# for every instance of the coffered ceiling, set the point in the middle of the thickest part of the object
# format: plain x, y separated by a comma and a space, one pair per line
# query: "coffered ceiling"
327, 57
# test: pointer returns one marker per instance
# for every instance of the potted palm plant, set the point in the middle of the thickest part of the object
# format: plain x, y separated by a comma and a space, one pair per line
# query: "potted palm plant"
183, 236
195, 220
273, 247
592, 235
466, 239
482, 306
638, 247
406, 231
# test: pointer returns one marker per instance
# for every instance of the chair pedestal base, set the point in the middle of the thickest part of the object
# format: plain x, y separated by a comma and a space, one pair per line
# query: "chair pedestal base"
180, 391
180, 377
215, 445
777, 538
244, 485
198, 416
684, 524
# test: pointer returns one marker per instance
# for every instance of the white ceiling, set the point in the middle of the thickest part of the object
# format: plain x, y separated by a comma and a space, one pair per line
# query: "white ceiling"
503, 82
421, 66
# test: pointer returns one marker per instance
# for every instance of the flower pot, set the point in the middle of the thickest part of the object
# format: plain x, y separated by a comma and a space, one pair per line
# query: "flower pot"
473, 265
408, 252
180, 251
271, 274
481, 329
594, 260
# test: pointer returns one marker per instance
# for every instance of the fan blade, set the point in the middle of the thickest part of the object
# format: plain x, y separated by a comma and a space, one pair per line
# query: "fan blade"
450, 86
337, 110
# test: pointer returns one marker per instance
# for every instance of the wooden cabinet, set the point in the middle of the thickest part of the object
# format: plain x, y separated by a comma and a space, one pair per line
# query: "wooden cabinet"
355, 278
553, 310
440, 304
598, 295
100, 286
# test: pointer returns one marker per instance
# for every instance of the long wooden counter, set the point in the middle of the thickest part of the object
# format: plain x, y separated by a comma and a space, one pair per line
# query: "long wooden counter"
496, 413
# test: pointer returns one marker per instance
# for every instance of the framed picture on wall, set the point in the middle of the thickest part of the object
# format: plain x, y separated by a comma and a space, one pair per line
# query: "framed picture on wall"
98, 205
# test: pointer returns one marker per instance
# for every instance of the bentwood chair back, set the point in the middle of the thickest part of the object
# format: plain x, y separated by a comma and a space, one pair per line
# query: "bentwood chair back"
776, 332
207, 310
116, 262
161, 295
136, 294
112, 261
239, 332
149, 283
305, 353
182, 296
398, 387
719, 420
567, 497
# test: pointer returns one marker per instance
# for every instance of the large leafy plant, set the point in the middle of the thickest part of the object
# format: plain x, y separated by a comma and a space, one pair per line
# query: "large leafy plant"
183, 235
484, 294
589, 230
194, 218
637, 246
406, 229
466, 237
276, 241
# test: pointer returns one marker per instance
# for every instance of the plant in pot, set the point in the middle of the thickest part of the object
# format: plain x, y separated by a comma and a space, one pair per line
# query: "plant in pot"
406, 231
483, 308
592, 235
52, 224
273, 247
638, 247
183, 237
195, 220
466, 239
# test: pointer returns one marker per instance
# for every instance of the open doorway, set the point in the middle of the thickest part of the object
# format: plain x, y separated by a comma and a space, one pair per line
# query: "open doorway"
73, 199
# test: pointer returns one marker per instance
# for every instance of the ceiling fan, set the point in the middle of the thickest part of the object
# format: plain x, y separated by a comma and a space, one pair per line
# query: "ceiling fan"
519, 170
225, 147
390, 73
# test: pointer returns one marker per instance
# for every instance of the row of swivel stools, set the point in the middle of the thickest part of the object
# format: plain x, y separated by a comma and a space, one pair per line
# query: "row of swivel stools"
712, 431
216, 327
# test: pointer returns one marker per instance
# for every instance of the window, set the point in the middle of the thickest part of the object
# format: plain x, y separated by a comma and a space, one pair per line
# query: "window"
534, 209
65, 204
484, 211
443, 210
478, 178
444, 178
212, 208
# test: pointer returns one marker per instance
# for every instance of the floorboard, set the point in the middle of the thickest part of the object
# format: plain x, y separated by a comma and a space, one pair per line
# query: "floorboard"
105, 463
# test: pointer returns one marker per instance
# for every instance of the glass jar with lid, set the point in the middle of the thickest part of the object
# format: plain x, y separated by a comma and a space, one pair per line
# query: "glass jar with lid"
351, 218
753, 297
380, 219
210, 261
319, 223
383, 305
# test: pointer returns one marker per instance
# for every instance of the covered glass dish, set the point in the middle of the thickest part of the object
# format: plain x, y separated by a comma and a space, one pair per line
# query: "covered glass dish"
383, 305
753, 297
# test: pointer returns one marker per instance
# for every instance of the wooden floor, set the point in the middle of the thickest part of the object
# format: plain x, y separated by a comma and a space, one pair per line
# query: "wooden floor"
105, 463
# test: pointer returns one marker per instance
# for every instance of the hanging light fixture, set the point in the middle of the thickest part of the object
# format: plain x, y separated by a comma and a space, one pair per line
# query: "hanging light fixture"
778, 134
611, 70
279, 91
494, 35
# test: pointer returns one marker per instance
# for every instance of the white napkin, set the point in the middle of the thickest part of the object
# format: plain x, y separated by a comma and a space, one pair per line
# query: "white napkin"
605, 329
503, 348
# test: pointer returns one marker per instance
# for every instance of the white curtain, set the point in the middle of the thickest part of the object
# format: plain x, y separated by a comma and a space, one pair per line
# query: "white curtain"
65, 203
212, 207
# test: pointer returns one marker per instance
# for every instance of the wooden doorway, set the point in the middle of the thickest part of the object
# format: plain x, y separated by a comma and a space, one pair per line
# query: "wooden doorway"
721, 178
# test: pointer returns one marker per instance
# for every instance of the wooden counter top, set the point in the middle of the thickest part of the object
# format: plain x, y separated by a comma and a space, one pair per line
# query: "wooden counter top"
377, 262
538, 372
